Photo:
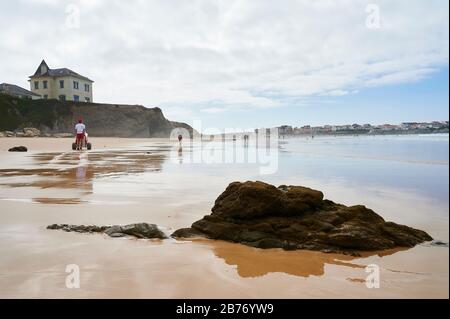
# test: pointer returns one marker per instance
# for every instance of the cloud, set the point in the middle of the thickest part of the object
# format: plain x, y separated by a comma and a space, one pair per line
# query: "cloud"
213, 110
336, 93
214, 55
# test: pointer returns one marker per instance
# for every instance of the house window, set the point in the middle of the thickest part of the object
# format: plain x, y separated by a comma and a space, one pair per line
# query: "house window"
75, 85
36, 85
61, 84
87, 99
45, 97
45, 84
62, 97
86, 87
76, 98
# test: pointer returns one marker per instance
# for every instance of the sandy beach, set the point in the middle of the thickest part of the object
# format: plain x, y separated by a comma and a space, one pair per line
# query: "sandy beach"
124, 181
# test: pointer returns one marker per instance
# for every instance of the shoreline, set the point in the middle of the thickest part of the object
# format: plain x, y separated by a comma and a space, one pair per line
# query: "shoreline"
21, 134
232, 136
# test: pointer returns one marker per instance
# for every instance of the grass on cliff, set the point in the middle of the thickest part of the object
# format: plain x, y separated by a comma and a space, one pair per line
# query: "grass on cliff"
18, 113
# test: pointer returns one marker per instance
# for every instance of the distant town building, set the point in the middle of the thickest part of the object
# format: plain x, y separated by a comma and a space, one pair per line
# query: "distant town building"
403, 128
18, 91
409, 125
62, 84
388, 127
285, 129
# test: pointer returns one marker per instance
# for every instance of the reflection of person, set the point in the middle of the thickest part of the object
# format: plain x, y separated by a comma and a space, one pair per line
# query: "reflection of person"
245, 140
80, 130
180, 154
81, 172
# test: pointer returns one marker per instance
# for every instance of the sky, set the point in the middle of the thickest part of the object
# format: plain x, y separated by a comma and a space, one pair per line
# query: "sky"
243, 63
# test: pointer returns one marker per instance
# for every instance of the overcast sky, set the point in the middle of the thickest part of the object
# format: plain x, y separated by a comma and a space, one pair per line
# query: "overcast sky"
242, 63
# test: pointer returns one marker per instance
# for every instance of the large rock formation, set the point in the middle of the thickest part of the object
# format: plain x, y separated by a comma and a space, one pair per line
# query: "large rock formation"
139, 230
53, 117
294, 217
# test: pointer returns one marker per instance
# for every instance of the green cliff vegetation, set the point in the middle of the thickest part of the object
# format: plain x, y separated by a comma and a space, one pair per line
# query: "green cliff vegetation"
16, 112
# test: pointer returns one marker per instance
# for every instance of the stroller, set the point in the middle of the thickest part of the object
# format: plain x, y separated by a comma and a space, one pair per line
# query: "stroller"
84, 143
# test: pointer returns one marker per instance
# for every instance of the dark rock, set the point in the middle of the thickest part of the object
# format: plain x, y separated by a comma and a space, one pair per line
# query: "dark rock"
439, 243
78, 228
140, 230
257, 199
18, 149
187, 233
294, 217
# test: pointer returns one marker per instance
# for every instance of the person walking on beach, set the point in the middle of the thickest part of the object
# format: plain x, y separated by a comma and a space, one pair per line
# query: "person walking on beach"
180, 138
80, 130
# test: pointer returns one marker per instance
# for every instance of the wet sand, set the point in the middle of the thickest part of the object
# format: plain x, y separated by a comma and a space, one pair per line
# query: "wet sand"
149, 180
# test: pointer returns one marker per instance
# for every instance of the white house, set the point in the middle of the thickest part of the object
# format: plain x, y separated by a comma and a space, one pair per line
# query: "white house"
62, 84
15, 90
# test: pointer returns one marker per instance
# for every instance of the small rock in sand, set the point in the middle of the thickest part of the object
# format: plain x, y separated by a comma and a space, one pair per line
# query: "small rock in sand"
18, 149
138, 230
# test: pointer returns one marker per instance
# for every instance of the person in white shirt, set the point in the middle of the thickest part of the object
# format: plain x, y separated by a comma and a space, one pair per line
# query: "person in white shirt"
80, 130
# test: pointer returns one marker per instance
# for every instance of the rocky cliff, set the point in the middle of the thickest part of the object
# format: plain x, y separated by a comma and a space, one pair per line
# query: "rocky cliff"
52, 116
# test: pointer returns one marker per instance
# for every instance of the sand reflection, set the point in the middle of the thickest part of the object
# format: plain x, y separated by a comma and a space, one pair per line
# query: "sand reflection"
61, 201
75, 170
254, 262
